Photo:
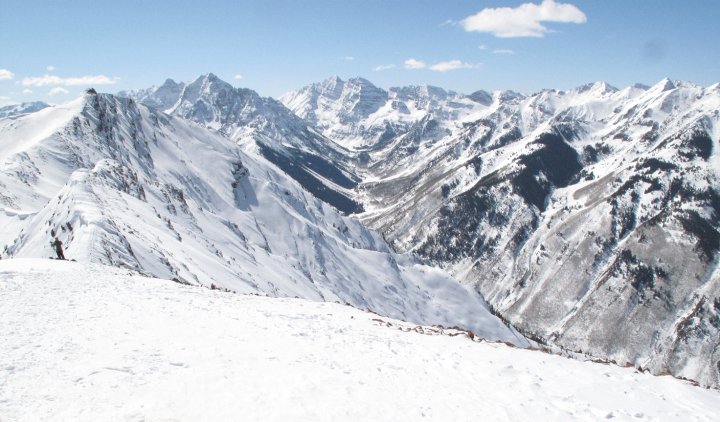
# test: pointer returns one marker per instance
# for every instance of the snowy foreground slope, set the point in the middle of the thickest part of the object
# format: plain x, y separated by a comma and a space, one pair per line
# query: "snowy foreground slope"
123, 185
91, 342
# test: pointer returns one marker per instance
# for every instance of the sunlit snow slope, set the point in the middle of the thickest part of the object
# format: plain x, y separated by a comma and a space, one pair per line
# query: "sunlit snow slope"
86, 342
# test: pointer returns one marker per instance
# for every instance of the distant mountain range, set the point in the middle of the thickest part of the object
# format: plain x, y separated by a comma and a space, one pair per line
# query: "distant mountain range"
588, 219
22, 108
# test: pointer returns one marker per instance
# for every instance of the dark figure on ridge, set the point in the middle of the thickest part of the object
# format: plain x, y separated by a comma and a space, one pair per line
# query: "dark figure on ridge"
58, 248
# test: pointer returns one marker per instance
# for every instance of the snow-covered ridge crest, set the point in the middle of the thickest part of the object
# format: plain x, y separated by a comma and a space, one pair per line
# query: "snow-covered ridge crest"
124, 185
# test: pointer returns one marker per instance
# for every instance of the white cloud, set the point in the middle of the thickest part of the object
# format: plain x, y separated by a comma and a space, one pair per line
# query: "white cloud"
56, 80
505, 51
50, 68
524, 20
452, 65
6, 100
238, 76
27, 91
383, 67
448, 22
58, 90
415, 64
6, 74
347, 58
483, 47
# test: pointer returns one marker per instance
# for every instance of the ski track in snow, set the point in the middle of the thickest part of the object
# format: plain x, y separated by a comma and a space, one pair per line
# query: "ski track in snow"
90, 342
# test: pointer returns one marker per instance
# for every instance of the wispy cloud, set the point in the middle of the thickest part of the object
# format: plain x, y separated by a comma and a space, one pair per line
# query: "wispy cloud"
6, 100
452, 65
238, 76
50, 68
27, 91
58, 90
524, 20
347, 58
483, 47
505, 51
6, 74
448, 22
415, 64
50, 80
383, 67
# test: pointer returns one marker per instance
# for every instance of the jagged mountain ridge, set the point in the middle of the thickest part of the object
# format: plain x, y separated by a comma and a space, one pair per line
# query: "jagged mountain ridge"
358, 115
262, 125
124, 185
589, 218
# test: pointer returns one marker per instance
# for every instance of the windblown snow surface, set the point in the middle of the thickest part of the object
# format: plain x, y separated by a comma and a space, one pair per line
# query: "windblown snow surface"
91, 342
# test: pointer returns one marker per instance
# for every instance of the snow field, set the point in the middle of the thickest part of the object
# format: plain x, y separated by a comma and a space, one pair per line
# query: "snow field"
89, 342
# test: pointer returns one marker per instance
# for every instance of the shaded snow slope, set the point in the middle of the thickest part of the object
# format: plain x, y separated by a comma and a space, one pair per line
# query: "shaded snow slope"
89, 342
123, 185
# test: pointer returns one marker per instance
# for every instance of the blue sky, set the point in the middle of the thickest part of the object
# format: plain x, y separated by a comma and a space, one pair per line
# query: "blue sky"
272, 46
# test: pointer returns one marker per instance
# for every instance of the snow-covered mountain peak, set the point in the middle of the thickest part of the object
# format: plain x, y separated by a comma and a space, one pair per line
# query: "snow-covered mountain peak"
357, 114
508, 96
205, 88
421, 93
362, 98
482, 97
331, 87
335, 88
161, 97
598, 88
361, 82
665, 84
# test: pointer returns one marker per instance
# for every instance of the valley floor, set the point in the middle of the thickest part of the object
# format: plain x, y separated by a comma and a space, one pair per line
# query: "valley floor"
88, 342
